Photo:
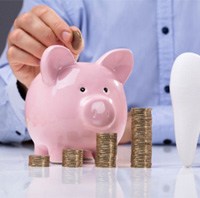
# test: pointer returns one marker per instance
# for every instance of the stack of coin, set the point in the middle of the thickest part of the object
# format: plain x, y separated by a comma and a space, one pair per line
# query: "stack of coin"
141, 138
38, 161
106, 150
72, 158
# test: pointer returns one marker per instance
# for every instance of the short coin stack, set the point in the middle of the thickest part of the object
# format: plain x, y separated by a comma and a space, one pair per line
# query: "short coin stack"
72, 158
141, 137
106, 149
38, 161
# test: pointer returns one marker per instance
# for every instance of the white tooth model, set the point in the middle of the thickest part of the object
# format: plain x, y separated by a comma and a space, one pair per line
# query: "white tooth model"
185, 94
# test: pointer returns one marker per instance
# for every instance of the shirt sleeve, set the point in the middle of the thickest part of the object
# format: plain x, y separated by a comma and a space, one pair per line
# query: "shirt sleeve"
12, 122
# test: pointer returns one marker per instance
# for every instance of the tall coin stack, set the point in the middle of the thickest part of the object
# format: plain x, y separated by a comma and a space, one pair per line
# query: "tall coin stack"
38, 161
141, 138
72, 158
106, 150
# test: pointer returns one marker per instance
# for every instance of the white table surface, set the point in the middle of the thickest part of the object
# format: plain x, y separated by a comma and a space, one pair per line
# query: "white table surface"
166, 178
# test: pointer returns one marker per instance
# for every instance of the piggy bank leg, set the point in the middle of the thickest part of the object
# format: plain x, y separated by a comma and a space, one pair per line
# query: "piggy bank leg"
87, 155
40, 150
94, 154
56, 155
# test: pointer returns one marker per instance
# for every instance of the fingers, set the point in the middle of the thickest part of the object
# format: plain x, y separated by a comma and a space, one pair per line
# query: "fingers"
27, 43
35, 31
17, 56
31, 24
24, 65
46, 28
54, 22
70, 36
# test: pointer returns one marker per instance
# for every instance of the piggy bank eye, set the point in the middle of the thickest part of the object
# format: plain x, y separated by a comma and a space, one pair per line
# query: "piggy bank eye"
105, 89
82, 89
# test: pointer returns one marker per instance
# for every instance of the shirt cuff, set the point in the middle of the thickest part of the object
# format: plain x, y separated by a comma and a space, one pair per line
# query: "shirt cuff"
162, 125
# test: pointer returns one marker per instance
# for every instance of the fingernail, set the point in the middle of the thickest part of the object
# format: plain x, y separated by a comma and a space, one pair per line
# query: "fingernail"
77, 39
66, 36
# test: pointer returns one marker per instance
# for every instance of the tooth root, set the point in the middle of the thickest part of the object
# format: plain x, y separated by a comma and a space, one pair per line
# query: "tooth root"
185, 94
186, 132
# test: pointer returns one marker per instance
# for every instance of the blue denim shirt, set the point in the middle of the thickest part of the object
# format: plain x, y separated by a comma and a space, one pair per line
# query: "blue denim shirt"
156, 31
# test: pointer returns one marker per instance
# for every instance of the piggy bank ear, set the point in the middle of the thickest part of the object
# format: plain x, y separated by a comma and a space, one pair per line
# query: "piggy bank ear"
53, 60
120, 62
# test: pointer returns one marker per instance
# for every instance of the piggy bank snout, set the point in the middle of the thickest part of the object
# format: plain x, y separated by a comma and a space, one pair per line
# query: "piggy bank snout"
99, 112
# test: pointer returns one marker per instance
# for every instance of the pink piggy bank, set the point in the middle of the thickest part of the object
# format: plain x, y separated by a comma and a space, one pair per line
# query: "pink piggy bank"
69, 102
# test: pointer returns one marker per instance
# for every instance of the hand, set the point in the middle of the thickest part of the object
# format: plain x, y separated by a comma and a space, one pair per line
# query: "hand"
32, 33
126, 138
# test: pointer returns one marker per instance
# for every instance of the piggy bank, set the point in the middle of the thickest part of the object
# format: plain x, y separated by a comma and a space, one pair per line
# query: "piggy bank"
69, 102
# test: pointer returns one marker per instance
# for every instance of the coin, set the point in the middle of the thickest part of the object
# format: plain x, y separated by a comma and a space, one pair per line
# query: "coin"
38, 161
141, 137
77, 39
106, 149
72, 158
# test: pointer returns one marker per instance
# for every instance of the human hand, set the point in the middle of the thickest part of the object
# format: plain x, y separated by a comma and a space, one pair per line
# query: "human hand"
126, 138
32, 33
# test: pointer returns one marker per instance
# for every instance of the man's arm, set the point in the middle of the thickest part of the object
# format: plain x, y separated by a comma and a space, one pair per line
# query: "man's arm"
12, 124
25, 47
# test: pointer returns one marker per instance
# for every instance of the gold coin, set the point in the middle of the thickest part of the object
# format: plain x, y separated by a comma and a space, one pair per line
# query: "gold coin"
106, 149
72, 158
141, 148
38, 161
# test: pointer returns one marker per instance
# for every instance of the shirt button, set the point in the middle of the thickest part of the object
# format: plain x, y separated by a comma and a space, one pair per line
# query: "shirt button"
167, 141
167, 89
165, 30
17, 132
